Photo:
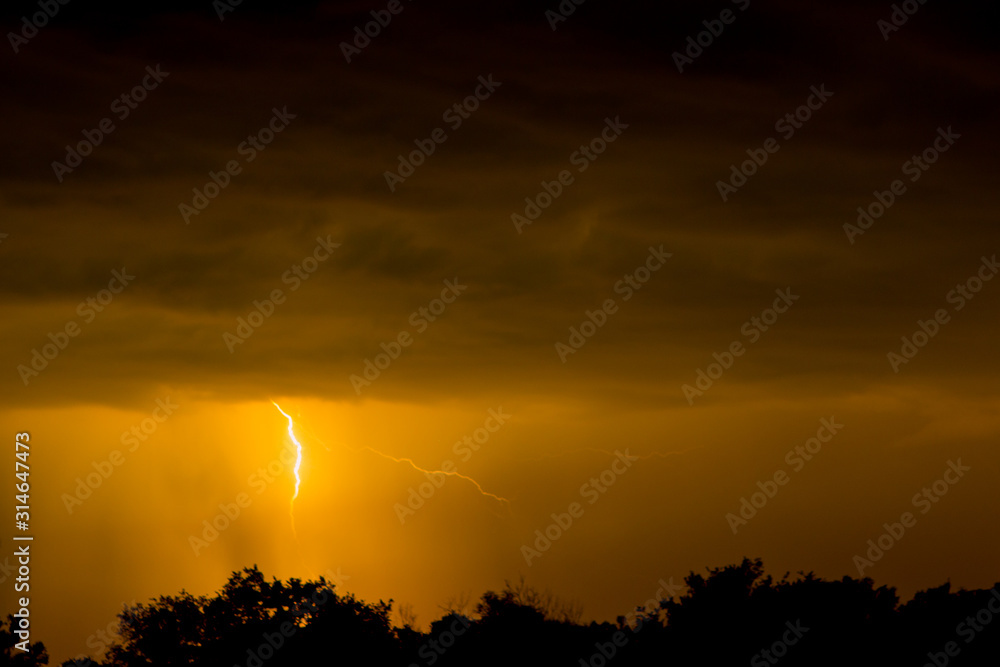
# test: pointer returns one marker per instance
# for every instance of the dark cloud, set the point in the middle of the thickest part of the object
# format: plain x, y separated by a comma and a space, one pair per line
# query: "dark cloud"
324, 176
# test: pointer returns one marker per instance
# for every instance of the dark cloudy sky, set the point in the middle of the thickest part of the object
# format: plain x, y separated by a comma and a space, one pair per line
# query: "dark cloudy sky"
323, 176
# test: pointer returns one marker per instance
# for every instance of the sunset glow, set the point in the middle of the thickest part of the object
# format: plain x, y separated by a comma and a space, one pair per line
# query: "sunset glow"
580, 297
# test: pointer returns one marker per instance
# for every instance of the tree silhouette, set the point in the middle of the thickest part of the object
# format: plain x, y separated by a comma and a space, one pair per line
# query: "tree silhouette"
732, 615
14, 657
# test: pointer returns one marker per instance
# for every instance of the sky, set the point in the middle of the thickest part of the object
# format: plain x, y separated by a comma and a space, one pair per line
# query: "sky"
613, 282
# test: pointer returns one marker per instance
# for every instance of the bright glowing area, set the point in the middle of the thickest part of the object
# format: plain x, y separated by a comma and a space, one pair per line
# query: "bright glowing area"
298, 462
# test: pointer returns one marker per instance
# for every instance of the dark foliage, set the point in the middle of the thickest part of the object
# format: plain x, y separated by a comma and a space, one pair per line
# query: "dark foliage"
734, 615
13, 656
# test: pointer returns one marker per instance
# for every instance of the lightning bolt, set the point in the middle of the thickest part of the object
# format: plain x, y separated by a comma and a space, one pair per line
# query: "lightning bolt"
453, 473
410, 462
298, 464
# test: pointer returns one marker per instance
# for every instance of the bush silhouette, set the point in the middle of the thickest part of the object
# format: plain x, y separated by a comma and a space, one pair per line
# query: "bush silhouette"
14, 657
732, 615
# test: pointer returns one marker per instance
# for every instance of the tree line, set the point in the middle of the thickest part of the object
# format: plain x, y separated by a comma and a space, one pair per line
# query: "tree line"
733, 615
